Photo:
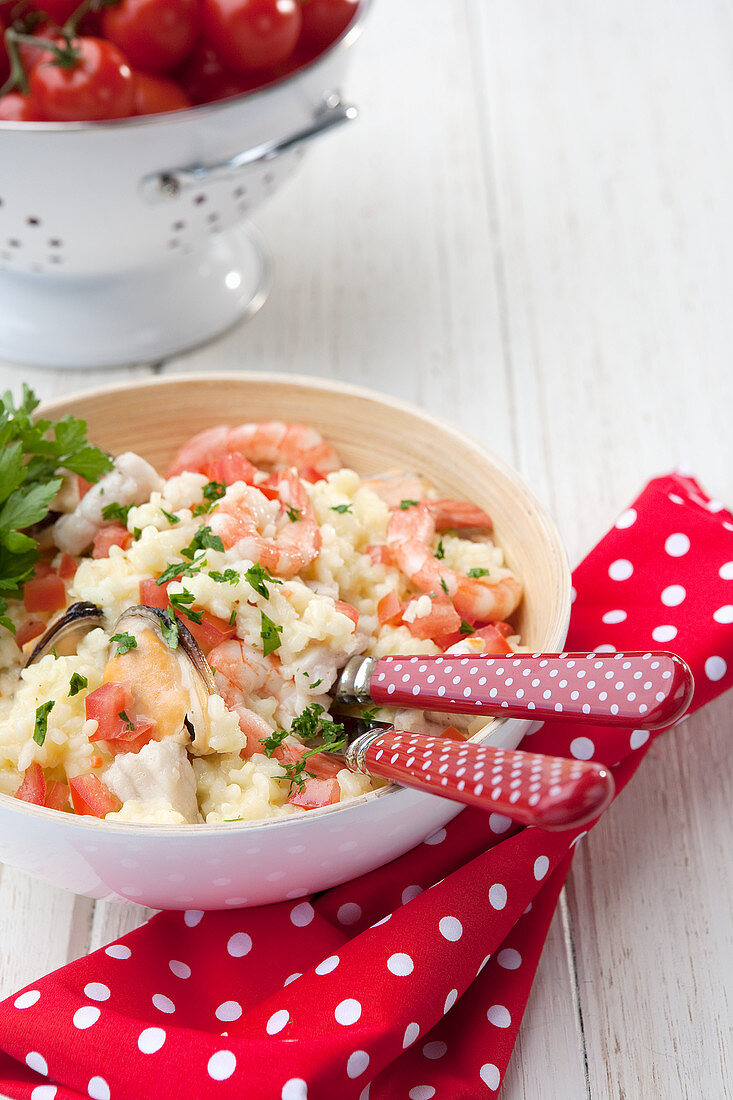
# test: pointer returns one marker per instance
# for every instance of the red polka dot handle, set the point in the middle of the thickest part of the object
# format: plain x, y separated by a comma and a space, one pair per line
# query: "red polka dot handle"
552, 792
640, 690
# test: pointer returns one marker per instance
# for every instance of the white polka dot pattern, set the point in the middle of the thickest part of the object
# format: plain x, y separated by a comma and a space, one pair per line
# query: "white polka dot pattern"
654, 690
529, 788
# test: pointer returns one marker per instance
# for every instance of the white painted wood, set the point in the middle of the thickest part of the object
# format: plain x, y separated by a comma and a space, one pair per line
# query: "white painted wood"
529, 232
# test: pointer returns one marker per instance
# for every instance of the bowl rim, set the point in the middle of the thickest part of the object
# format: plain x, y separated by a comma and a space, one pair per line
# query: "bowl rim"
199, 111
309, 382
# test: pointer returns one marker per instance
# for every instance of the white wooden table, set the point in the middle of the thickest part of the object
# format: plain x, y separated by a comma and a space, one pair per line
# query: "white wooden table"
530, 232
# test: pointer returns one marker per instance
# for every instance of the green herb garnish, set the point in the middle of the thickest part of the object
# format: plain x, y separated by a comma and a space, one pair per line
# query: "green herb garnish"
202, 540
180, 602
259, 577
41, 726
212, 491
440, 552
125, 642
466, 628
181, 569
270, 634
173, 520
233, 617
169, 629
294, 514
444, 586
77, 683
34, 456
136, 533
477, 572
369, 715
117, 511
274, 741
405, 504
229, 576
341, 508
129, 724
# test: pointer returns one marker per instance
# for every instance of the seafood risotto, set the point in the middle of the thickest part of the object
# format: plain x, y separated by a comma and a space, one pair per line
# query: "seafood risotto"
175, 647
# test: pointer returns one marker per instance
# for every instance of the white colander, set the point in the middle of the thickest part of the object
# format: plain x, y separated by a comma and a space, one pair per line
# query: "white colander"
127, 241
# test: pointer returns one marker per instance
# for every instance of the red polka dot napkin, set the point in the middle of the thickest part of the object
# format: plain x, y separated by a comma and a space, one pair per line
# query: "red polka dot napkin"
411, 981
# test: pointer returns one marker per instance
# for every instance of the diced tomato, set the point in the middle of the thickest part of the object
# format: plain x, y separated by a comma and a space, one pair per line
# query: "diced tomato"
112, 534
504, 628
232, 467
452, 734
494, 639
315, 793
43, 568
67, 567
349, 610
33, 787
29, 630
389, 609
91, 797
210, 631
379, 553
310, 473
57, 796
153, 594
84, 485
441, 621
44, 593
105, 706
323, 765
270, 486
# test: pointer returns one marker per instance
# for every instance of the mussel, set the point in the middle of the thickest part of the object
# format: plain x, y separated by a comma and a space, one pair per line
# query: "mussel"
64, 635
172, 686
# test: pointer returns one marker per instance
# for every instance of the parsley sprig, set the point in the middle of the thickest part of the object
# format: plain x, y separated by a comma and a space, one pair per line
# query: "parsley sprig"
34, 456
180, 604
259, 576
477, 572
117, 511
40, 728
270, 634
309, 726
212, 491
125, 642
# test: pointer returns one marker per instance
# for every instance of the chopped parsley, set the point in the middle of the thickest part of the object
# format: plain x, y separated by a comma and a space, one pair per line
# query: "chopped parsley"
274, 741
137, 532
466, 628
308, 725
297, 773
294, 514
202, 540
270, 634
229, 576
369, 715
181, 569
77, 683
440, 552
169, 630
213, 491
342, 509
259, 577
41, 726
180, 602
117, 511
477, 572
34, 456
444, 586
405, 504
233, 617
173, 520
129, 724
125, 642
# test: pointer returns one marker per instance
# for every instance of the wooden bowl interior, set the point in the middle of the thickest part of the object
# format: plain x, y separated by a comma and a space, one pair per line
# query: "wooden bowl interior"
371, 433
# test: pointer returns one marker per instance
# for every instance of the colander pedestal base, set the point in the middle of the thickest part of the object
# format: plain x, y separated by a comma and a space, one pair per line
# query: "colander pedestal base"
136, 317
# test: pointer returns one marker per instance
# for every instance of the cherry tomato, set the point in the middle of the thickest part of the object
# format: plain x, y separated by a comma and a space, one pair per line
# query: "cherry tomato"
154, 95
16, 107
91, 797
155, 35
97, 85
252, 34
58, 11
206, 78
31, 55
325, 20
4, 59
44, 593
113, 534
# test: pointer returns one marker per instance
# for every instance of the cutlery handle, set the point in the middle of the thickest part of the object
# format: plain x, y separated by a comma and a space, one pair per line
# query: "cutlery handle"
639, 690
548, 791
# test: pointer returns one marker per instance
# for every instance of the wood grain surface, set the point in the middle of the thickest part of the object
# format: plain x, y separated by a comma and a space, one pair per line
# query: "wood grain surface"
529, 232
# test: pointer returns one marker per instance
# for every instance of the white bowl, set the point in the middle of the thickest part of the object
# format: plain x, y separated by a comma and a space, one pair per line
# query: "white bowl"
129, 237
253, 863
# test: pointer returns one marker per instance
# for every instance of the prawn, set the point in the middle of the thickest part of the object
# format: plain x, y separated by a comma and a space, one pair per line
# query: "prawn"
240, 672
396, 487
271, 444
409, 537
240, 520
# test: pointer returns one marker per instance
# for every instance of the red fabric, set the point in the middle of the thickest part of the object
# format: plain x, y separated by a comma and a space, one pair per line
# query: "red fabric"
411, 981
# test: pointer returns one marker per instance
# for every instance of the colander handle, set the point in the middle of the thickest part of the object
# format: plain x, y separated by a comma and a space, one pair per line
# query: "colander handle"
162, 186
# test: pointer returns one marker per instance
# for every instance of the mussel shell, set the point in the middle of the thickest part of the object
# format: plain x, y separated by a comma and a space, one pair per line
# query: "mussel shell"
66, 632
155, 618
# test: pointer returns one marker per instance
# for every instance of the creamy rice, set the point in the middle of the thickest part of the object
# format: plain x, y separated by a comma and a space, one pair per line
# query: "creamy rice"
229, 781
